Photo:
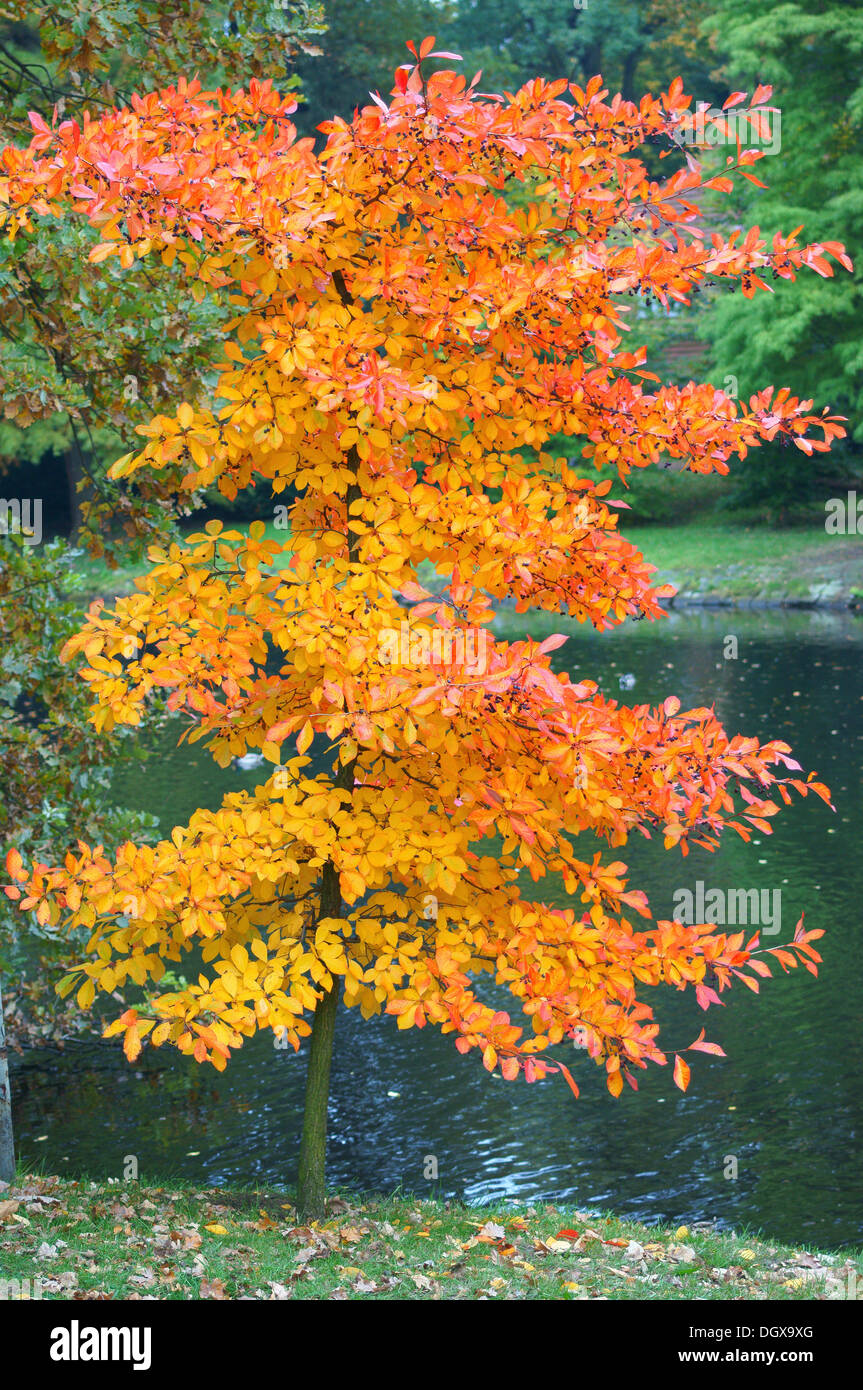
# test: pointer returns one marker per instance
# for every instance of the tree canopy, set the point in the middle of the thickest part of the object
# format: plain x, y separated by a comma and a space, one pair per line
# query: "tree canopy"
403, 344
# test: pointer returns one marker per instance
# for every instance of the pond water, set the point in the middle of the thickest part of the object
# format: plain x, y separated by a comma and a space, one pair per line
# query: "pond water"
785, 1103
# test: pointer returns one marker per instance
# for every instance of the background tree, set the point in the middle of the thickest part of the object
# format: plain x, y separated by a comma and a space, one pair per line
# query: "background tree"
56, 778
811, 54
87, 357
404, 344
637, 45
362, 39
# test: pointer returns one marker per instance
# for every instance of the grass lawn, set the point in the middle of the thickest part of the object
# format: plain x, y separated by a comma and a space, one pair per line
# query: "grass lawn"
752, 562
96, 1240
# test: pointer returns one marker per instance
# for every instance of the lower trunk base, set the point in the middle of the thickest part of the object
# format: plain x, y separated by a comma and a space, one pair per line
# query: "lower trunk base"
311, 1186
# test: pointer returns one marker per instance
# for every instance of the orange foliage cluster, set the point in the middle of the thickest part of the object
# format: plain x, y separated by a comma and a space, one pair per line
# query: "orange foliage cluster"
405, 344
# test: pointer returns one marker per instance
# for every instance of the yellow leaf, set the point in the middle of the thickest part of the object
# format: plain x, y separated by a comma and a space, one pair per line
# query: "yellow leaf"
86, 994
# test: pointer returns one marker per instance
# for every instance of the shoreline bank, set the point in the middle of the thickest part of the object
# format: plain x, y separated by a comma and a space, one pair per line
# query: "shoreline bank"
126, 1240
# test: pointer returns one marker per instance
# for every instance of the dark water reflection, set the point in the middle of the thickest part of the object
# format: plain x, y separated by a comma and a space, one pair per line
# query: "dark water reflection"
786, 1102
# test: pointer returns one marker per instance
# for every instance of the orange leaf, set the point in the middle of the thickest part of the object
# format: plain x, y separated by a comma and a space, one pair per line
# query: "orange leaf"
681, 1072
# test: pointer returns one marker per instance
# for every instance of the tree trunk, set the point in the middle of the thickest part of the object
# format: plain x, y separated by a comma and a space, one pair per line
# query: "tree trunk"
7, 1148
627, 85
311, 1183
74, 474
311, 1187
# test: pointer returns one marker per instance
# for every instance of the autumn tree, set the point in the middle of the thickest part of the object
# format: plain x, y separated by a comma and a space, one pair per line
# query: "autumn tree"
403, 345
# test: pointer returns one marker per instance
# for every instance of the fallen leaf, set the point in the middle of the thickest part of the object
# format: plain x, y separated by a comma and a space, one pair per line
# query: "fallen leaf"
351, 1234
491, 1231
682, 1254
213, 1289
552, 1245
